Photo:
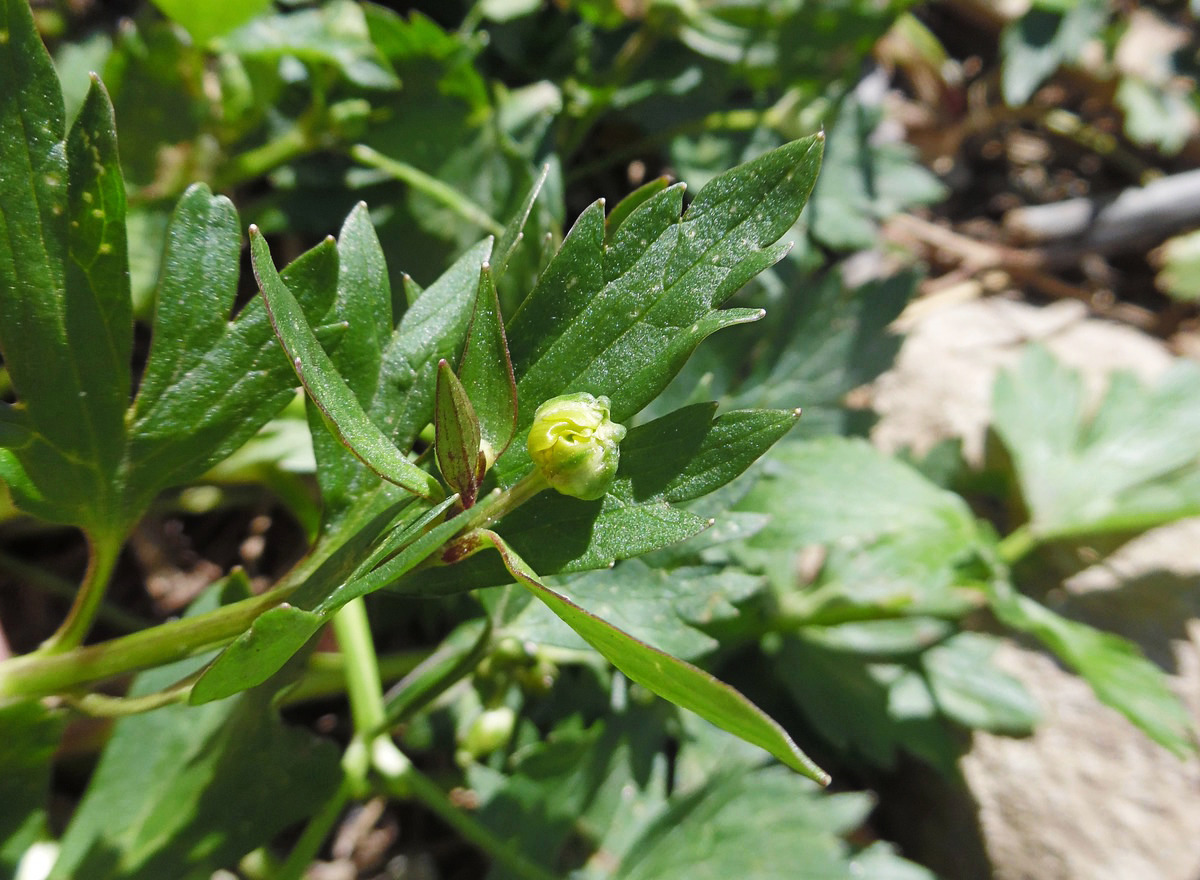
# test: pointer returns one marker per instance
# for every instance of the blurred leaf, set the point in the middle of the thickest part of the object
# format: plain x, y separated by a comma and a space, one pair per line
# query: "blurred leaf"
869, 710
1131, 463
1156, 116
764, 824
620, 321
336, 34
672, 679
864, 180
1047, 36
196, 787
30, 733
326, 387
970, 690
213, 17
659, 607
894, 540
1115, 668
1179, 267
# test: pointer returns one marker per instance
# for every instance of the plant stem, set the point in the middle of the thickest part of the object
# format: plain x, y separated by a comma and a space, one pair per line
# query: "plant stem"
314, 834
1017, 545
413, 783
292, 144
61, 588
38, 674
430, 186
326, 674
363, 685
103, 550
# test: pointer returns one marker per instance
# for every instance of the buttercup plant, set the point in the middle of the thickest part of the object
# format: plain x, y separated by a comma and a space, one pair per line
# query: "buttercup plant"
575, 445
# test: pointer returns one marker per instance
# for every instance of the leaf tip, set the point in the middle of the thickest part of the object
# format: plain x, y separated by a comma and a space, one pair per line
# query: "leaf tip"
797, 412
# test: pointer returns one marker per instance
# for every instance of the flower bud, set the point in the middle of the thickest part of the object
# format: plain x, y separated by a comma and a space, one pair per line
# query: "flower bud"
575, 445
491, 730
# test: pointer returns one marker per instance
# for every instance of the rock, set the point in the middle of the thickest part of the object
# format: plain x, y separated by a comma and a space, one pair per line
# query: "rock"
1086, 796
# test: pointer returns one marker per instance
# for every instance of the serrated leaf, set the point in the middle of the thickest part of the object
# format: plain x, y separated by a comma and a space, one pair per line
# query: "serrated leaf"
672, 679
486, 371
620, 321
1128, 465
197, 787
456, 432
211, 383
326, 387
1115, 667
971, 691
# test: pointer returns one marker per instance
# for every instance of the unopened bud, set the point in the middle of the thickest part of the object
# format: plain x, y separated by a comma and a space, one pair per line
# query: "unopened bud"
575, 445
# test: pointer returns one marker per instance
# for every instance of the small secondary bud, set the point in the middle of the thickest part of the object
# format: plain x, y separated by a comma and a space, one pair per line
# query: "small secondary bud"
575, 445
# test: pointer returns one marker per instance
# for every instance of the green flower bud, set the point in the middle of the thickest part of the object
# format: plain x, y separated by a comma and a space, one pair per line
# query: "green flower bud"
491, 730
575, 445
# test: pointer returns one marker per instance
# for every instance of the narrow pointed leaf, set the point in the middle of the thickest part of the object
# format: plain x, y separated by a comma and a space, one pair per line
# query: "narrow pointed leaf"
456, 430
507, 243
486, 371
672, 679
325, 387
621, 211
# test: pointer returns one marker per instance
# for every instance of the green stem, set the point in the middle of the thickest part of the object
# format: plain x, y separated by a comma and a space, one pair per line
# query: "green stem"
291, 145
325, 675
363, 684
414, 784
430, 186
103, 550
38, 674
315, 833
61, 588
1017, 545
104, 706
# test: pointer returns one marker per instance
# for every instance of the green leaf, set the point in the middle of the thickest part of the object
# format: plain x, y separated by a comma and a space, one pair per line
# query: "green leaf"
326, 387
210, 383
621, 211
336, 34
65, 315
486, 371
211, 19
1039, 42
1115, 668
894, 540
620, 321
1179, 273
507, 244
1131, 463
672, 679
970, 690
30, 733
457, 436
196, 787
869, 710
765, 824
659, 607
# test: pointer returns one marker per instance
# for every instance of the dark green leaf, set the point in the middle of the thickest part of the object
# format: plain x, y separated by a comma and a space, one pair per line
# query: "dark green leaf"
970, 690
513, 232
621, 211
672, 679
326, 388
196, 787
456, 432
65, 315
486, 371
1131, 464
620, 321
30, 733
1115, 668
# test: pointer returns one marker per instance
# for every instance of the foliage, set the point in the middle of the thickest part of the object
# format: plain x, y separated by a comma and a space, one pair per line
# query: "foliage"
524, 635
